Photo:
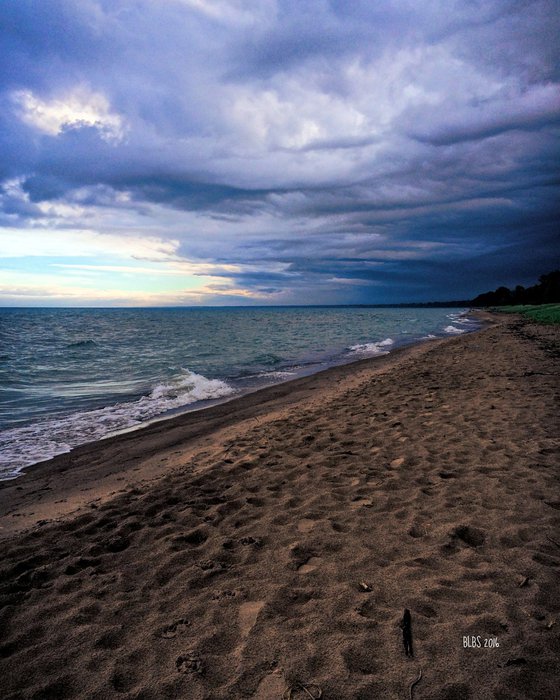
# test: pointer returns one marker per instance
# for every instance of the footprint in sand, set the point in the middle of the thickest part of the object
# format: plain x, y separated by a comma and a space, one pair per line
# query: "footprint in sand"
418, 530
310, 565
190, 662
175, 628
272, 687
306, 524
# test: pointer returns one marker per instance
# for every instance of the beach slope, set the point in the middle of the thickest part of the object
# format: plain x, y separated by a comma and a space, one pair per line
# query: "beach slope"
268, 547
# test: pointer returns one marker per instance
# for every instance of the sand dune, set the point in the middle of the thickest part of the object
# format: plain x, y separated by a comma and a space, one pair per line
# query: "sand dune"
271, 550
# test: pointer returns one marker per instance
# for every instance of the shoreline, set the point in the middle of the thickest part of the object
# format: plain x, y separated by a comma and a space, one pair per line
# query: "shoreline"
53, 432
274, 541
193, 425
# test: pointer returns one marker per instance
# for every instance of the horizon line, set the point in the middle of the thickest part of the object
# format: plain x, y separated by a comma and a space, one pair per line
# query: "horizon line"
458, 303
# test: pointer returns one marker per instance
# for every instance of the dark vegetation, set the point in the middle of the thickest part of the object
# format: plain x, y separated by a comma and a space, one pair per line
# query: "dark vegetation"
542, 313
547, 291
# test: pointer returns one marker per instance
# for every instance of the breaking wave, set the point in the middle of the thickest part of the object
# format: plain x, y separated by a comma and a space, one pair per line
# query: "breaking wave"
454, 329
23, 446
378, 348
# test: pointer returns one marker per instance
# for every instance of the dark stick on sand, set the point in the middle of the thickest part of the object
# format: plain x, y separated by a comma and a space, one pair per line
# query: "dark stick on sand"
407, 632
413, 684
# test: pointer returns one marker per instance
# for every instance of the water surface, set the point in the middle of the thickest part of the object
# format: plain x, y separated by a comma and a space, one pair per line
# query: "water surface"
70, 376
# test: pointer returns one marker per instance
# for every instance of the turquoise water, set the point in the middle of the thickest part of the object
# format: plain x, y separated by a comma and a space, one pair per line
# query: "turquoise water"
70, 376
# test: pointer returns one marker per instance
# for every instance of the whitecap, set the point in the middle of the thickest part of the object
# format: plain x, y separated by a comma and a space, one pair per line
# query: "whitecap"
26, 445
186, 388
378, 348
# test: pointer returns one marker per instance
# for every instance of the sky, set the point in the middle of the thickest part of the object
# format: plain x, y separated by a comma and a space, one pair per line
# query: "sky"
227, 152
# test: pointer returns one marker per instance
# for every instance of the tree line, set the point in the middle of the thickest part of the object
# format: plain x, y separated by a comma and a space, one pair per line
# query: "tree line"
547, 291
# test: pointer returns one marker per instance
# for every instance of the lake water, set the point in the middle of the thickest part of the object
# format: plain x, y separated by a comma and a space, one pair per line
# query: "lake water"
70, 376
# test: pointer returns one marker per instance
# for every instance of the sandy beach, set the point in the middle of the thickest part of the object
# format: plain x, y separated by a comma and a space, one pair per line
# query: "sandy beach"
268, 547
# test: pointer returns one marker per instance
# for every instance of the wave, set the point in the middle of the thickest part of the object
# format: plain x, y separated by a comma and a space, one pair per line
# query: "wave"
267, 359
278, 374
186, 388
378, 348
21, 447
454, 330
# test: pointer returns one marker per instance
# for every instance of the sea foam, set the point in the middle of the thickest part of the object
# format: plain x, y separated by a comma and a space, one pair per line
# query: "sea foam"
378, 348
74, 376
186, 388
23, 446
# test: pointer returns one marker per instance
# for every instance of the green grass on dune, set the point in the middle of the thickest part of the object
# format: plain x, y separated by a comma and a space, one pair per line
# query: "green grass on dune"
542, 313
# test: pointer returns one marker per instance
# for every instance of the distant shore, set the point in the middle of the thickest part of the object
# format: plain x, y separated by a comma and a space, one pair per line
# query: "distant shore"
274, 541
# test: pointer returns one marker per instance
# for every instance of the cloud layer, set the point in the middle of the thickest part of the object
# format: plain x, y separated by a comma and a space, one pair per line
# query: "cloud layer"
278, 151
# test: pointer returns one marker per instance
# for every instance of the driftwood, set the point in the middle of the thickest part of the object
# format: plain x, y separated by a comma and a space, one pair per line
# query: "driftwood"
411, 686
407, 632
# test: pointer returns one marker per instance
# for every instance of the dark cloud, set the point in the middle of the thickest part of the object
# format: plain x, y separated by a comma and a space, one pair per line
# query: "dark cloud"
373, 151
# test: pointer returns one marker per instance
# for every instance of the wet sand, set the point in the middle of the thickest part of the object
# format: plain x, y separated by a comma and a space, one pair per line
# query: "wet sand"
273, 542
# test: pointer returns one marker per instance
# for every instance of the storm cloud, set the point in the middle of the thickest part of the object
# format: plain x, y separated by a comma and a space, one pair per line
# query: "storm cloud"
278, 151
